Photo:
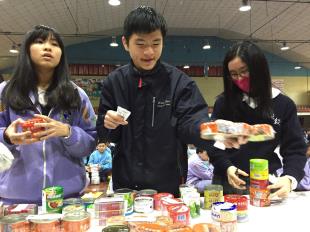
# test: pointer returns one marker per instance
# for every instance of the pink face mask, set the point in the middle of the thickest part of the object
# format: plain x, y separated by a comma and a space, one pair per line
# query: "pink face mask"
243, 83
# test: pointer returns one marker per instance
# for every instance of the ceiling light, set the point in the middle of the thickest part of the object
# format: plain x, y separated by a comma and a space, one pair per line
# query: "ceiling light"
284, 47
14, 49
297, 67
206, 46
245, 6
114, 43
186, 66
114, 2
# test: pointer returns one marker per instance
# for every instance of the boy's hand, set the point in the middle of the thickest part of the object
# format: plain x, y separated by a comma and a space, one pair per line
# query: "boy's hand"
112, 120
283, 187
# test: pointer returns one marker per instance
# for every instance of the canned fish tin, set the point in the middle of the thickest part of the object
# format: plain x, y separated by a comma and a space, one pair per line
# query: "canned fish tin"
242, 205
143, 204
73, 208
158, 197
14, 222
179, 214
212, 193
52, 199
44, 225
116, 228
72, 201
224, 215
76, 222
127, 195
259, 169
146, 193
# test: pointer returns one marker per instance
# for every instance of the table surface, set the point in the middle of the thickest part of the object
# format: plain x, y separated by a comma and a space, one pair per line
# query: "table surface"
292, 214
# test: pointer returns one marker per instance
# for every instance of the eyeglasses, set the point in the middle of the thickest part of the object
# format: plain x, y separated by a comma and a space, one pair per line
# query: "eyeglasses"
242, 74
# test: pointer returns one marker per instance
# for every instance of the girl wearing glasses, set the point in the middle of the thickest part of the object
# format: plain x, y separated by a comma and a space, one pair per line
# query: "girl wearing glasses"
249, 97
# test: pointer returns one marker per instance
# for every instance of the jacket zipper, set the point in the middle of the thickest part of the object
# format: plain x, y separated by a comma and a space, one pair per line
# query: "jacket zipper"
153, 113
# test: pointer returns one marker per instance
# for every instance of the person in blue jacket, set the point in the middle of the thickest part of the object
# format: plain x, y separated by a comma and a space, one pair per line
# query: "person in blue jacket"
103, 158
40, 87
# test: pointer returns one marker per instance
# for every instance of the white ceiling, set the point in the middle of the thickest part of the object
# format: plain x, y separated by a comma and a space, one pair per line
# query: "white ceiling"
270, 21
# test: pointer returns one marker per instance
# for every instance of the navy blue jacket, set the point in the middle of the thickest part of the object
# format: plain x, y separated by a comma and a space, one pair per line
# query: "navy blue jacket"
166, 111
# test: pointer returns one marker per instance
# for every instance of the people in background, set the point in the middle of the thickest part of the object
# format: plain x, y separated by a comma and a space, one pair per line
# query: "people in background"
249, 97
166, 110
191, 150
101, 157
52, 154
200, 170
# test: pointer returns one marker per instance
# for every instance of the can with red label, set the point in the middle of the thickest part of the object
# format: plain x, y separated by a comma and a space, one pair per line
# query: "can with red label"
179, 214
166, 202
158, 197
242, 205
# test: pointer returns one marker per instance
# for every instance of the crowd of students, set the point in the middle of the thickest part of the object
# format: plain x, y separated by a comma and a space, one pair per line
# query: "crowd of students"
166, 109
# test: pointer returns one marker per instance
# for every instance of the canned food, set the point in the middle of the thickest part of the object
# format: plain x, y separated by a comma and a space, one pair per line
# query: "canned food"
212, 193
76, 222
52, 199
259, 169
14, 223
224, 215
146, 193
158, 197
179, 214
242, 205
116, 228
143, 204
166, 202
28, 125
73, 208
127, 195
192, 200
72, 201
44, 225
20, 208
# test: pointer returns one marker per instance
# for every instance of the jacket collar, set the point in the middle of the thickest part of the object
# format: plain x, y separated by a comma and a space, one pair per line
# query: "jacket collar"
143, 74
252, 103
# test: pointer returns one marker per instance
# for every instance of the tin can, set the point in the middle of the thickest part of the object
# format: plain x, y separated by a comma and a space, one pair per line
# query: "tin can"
116, 228
259, 176
73, 208
143, 204
44, 225
242, 205
20, 208
146, 193
14, 223
259, 169
166, 202
212, 193
128, 197
76, 222
224, 215
158, 197
72, 201
184, 188
179, 214
52, 199
192, 200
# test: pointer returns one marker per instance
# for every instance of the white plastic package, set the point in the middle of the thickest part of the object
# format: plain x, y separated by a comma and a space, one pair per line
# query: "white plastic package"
6, 158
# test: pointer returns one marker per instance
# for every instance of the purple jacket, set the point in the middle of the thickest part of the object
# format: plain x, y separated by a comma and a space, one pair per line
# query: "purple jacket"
56, 161
200, 173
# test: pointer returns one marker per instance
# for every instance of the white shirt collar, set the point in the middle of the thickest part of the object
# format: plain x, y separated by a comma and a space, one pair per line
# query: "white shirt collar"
251, 102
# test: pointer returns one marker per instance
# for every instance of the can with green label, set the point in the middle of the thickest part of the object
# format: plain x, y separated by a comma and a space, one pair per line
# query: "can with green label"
52, 199
259, 169
128, 196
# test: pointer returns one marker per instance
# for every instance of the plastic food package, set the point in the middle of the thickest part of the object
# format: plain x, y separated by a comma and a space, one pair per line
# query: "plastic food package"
219, 130
6, 158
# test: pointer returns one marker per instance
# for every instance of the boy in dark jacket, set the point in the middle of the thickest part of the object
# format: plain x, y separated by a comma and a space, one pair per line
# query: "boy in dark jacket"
166, 110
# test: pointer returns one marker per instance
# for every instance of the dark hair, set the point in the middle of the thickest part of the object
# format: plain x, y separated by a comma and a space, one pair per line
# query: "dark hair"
260, 80
199, 150
144, 19
61, 93
1, 78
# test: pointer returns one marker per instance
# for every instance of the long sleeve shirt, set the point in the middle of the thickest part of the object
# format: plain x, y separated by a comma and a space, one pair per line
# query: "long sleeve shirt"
103, 159
200, 172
